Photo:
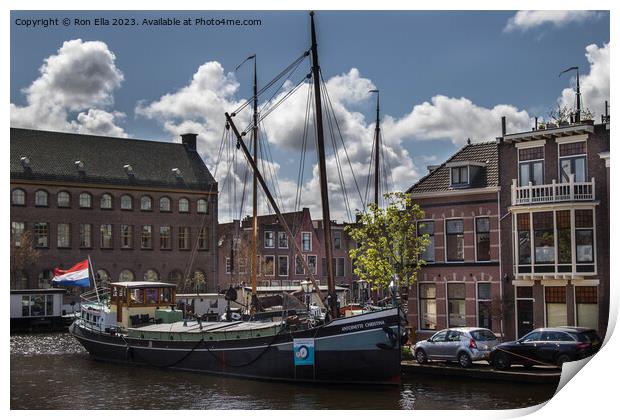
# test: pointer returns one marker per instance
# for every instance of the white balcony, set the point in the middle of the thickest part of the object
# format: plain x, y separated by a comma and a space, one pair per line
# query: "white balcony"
552, 193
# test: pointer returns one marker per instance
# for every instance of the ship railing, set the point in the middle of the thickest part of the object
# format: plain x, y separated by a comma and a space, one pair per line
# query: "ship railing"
95, 296
100, 327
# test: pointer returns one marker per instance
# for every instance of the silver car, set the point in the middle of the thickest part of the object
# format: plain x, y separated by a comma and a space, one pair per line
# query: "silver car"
462, 345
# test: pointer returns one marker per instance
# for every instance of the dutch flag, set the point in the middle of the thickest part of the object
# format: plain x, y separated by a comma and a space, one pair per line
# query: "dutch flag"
75, 276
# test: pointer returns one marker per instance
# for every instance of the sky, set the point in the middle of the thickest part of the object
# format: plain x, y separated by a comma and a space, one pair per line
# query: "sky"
443, 77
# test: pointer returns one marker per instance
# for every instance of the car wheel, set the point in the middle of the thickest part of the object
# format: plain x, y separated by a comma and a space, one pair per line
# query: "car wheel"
464, 360
420, 356
500, 361
562, 358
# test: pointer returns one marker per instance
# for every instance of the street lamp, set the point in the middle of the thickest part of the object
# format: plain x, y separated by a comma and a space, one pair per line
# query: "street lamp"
307, 288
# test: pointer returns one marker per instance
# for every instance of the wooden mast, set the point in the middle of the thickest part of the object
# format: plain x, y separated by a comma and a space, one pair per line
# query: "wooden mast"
327, 232
377, 151
254, 254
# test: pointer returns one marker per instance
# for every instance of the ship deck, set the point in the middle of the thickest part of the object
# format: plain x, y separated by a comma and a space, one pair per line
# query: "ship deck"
184, 329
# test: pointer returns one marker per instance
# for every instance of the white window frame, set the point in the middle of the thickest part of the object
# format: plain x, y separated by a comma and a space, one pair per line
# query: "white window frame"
445, 240
316, 263
459, 169
476, 238
302, 241
273, 271
285, 238
287, 266
227, 266
265, 239
434, 235
436, 307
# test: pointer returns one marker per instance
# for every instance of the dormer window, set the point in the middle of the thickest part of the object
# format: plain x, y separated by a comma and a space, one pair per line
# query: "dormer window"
459, 175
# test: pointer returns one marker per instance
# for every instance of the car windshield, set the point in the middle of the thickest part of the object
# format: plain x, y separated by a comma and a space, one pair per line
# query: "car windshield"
590, 337
483, 335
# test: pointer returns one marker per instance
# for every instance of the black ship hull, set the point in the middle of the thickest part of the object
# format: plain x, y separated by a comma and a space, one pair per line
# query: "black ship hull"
359, 349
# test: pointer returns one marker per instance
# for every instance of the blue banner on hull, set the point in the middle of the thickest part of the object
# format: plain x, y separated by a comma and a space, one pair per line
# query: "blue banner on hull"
303, 349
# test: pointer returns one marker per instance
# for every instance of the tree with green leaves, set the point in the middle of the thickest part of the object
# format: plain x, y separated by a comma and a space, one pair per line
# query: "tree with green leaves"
388, 244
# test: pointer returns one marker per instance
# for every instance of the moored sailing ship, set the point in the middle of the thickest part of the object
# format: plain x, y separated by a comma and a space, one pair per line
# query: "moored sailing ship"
137, 322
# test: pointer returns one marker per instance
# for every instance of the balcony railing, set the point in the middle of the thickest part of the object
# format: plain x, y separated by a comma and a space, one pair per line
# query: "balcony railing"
552, 193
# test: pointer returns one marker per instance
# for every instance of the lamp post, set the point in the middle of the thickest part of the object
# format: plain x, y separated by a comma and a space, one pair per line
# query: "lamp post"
307, 287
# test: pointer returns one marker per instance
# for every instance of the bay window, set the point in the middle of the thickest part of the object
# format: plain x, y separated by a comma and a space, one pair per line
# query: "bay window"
544, 245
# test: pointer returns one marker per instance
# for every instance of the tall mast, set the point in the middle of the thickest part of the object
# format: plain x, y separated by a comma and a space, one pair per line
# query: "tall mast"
254, 253
578, 116
327, 232
377, 151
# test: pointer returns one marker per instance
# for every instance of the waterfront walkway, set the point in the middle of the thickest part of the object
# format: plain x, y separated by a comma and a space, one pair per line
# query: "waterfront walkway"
482, 370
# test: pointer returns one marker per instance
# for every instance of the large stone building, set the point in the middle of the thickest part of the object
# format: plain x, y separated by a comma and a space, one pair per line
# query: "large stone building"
555, 225
140, 209
461, 283
277, 262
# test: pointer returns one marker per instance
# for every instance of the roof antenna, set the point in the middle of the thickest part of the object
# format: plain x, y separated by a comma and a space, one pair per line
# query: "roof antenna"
578, 112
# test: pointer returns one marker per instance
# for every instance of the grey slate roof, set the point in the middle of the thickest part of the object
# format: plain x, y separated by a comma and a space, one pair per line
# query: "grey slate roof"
439, 179
53, 155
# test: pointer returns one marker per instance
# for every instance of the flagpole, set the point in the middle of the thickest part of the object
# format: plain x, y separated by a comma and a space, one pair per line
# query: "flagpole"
90, 267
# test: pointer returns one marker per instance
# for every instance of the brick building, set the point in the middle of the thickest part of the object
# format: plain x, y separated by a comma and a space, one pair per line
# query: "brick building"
461, 283
277, 264
555, 248
142, 210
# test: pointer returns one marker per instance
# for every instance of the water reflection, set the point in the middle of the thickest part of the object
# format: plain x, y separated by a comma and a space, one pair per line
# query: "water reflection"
52, 371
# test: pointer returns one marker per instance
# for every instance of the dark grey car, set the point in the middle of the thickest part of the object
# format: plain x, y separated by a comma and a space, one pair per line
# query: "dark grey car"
462, 345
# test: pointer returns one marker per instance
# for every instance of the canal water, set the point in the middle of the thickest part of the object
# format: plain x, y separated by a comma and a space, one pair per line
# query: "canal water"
52, 371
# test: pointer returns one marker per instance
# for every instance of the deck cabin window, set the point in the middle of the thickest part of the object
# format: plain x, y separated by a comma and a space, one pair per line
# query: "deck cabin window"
37, 305
428, 306
572, 161
531, 162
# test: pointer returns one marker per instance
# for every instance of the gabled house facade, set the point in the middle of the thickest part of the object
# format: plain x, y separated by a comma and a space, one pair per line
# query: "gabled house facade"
461, 283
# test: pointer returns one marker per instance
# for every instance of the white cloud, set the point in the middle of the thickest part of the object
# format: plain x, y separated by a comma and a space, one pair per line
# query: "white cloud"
594, 85
529, 19
79, 78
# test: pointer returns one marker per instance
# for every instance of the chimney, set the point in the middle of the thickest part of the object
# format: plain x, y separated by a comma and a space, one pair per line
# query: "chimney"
503, 126
189, 140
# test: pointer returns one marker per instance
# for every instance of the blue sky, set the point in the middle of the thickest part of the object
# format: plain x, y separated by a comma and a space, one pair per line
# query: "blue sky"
472, 59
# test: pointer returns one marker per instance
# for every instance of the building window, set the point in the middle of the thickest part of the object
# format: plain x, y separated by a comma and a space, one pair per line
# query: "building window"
572, 161
17, 230
86, 200
269, 265
311, 261
269, 240
242, 263
64, 235
18, 197
228, 265
63, 199
86, 236
428, 227
544, 242
146, 241
183, 205
126, 202
455, 245
146, 203
202, 206
164, 204
459, 175
456, 304
185, 239
282, 240
306, 241
203, 238
337, 239
587, 306
299, 266
126, 275
427, 294
105, 202
126, 236
40, 198
151, 275
41, 235
584, 236
524, 238
103, 277
483, 239
106, 236
555, 300
45, 278
283, 265
484, 305
563, 232
531, 161
165, 237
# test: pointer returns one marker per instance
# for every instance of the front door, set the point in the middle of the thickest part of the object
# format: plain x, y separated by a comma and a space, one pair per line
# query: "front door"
525, 317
